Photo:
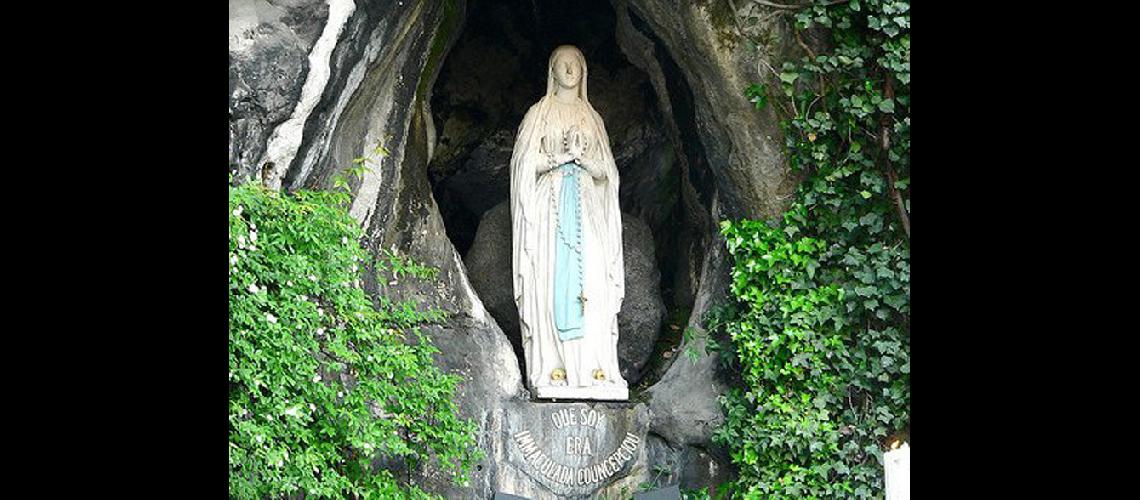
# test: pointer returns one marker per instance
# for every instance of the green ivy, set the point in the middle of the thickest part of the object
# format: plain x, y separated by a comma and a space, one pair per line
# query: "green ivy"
397, 266
323, 383
820, 324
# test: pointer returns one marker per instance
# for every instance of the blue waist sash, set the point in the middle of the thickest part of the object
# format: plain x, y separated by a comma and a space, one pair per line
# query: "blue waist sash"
569, 303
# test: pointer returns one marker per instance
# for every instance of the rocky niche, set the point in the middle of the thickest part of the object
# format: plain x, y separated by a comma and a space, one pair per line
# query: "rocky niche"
430, 94
495, 72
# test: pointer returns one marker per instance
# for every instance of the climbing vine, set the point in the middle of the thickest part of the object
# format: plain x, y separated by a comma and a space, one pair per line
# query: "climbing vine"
322, 384
820, 324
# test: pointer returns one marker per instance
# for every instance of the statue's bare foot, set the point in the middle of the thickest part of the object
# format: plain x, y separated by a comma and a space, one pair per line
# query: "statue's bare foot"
558, 377
599, 377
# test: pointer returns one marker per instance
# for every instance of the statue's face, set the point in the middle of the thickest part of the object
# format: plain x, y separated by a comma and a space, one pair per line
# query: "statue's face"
567, 71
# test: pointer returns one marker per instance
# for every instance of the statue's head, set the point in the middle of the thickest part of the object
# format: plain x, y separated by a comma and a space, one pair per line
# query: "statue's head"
567, 69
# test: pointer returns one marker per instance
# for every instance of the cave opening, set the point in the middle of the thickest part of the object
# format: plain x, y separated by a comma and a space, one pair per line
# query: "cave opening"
487, 82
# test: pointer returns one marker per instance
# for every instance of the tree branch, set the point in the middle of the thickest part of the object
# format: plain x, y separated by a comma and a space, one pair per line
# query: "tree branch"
736, 19
885, 143
800, 41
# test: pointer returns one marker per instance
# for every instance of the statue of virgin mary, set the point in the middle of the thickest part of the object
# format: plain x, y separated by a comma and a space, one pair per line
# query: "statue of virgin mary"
566, 253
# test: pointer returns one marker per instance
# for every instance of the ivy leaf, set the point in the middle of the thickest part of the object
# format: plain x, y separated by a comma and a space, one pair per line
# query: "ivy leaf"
841, 468
869, 219
757, 94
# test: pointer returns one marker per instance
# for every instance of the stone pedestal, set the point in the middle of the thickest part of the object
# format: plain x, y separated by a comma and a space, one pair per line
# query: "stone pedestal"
571, 450
602, 393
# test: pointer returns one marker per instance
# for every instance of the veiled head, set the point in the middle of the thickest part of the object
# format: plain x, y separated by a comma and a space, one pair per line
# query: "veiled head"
567, 68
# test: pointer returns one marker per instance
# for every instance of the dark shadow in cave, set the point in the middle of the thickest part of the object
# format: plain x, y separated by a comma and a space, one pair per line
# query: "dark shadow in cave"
495, 72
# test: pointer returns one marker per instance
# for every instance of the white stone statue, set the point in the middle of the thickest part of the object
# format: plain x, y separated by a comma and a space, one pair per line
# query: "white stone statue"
896, 472
566, 254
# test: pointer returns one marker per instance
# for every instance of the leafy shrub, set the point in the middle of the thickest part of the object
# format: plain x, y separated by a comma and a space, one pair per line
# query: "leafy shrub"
322, 383
825, 379
820, 324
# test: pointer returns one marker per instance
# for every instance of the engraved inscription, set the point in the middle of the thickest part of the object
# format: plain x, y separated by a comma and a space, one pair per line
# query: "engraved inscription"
578, 446
583, 417
577, 476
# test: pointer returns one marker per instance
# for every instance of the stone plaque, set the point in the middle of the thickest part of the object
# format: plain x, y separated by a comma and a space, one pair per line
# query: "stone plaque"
564, 450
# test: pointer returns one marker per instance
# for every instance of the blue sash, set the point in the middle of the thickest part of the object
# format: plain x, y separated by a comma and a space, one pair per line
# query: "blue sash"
568, 306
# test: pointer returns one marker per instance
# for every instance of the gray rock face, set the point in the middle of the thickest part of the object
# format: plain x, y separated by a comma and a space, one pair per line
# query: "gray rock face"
269, 47
485, 178
690, 467
478, 353
642, 311
394, 203
489, 268
744, 146
684, 401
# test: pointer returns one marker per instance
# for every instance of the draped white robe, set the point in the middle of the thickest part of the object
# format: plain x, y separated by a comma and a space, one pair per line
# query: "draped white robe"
535, 191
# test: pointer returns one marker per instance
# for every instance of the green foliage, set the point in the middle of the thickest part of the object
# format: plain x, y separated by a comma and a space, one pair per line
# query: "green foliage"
721, 491
693, 337
397, 266
659, 471
322, 383
820, 325
360, 166
757, 94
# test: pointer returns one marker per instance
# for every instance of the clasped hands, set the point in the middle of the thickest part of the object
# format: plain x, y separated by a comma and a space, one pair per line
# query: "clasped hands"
572, 149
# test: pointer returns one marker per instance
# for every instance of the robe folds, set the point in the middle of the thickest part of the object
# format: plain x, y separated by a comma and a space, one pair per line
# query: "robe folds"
536, 198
